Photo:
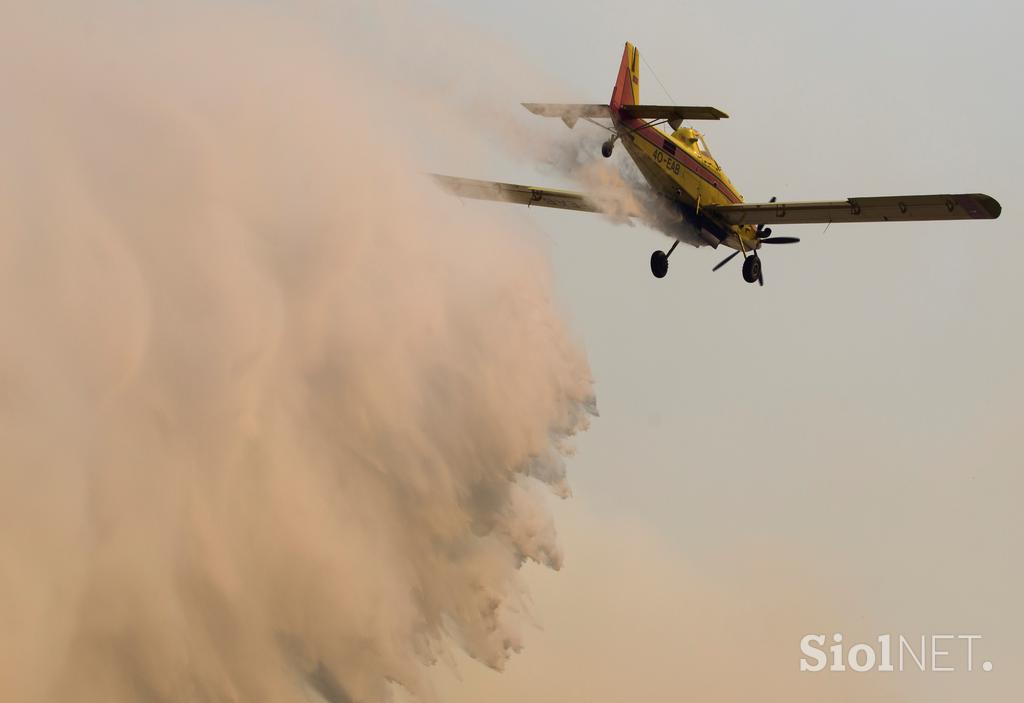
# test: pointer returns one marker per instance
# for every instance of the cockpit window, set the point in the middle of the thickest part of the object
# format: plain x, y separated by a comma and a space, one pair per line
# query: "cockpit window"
693, 140
703, 146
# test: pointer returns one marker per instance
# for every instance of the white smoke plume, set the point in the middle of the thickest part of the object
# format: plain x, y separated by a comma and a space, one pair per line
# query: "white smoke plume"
614, 185
478, 82
275, 417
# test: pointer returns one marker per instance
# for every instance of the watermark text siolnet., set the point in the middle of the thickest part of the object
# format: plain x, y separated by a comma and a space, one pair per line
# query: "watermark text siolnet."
892, 653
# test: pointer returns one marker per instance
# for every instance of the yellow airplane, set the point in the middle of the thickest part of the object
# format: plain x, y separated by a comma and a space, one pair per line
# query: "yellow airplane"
690, 198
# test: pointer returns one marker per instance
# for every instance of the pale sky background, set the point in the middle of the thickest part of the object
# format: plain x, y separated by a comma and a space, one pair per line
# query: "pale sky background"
837, 451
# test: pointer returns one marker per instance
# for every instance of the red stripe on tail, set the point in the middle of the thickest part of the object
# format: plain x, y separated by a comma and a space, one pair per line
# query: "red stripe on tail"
627, 84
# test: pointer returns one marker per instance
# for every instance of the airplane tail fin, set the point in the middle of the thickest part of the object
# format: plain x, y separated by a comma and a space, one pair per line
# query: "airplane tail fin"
627, 84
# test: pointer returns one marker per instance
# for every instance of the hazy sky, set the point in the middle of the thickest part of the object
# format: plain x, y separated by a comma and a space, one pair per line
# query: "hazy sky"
836, 451
272, 405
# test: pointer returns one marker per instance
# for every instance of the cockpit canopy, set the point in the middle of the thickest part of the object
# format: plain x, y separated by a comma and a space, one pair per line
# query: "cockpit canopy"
693, 140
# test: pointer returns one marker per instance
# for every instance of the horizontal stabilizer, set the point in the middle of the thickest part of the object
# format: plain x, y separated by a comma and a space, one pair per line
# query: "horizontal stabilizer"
570, 113
672, 112
889, 208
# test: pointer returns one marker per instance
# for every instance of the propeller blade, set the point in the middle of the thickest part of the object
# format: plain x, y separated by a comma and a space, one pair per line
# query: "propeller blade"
760, 278
726, 260
781, 240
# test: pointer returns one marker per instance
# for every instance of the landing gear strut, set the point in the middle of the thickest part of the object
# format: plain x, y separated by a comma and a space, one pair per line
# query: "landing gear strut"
659, 261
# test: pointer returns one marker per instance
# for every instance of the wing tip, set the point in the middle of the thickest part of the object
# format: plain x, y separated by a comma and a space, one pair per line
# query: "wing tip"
441, 179
989, 204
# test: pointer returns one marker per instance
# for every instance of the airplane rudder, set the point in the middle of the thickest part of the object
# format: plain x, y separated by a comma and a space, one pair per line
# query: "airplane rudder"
627, 83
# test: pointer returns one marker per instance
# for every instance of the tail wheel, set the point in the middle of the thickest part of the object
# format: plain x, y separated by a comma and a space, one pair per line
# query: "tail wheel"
606, 148
659, 264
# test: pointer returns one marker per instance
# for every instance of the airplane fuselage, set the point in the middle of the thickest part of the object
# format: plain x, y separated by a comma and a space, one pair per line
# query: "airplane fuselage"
683, 173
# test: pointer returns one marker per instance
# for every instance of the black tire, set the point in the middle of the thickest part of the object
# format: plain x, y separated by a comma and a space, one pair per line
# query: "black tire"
751, 268
659, 264
606, 148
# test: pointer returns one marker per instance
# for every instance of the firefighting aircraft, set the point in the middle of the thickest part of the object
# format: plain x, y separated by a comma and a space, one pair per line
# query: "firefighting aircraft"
690, 198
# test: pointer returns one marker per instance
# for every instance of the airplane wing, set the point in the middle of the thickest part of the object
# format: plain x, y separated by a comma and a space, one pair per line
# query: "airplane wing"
569, 113
512, 193
890, 208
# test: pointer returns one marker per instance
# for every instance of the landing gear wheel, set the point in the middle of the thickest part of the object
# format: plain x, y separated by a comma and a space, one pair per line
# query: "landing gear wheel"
751, 268
659, 264
606, 148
